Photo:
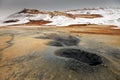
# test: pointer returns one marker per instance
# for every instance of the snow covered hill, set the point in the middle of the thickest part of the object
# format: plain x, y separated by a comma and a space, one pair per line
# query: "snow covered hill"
105, 16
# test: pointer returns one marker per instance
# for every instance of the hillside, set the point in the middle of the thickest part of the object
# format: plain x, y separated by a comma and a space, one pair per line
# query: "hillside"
100, 16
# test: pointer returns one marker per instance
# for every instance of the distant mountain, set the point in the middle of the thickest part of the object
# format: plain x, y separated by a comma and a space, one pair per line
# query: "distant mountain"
104, 16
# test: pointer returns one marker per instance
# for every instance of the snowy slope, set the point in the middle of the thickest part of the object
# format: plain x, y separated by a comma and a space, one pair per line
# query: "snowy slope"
111, 16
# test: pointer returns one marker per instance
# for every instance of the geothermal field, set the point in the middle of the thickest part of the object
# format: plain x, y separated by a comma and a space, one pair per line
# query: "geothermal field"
81, 44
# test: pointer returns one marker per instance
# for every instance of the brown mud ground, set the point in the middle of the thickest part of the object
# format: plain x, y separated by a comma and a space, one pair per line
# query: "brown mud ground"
77, 52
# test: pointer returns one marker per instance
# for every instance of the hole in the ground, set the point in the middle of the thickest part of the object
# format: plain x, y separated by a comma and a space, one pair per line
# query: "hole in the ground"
61, 40
55, 43
80, 55
42, 37
68, 41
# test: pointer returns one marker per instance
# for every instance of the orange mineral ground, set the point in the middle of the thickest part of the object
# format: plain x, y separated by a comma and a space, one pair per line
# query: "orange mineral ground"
74, 52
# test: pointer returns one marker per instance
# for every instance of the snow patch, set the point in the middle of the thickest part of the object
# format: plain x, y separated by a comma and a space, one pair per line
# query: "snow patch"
111, 16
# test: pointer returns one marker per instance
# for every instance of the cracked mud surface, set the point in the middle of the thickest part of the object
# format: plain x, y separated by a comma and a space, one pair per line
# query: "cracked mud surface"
55, 54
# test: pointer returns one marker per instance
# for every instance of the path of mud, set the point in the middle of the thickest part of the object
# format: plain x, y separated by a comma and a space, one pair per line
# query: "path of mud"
9, 42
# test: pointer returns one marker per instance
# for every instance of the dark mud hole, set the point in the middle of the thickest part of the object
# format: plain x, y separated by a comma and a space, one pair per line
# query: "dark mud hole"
59, 41
55, 43
64, 41
81, 56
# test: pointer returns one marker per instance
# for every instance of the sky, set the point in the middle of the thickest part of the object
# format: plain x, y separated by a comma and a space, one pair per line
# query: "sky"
8, 7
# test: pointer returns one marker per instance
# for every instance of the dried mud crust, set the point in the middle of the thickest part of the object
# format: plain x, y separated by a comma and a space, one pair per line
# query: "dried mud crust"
35, 65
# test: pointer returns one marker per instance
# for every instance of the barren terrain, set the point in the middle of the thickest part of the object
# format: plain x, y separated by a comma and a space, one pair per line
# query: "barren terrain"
75, 52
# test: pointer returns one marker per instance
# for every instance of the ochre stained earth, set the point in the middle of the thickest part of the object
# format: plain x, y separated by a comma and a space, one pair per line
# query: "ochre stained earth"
75, 52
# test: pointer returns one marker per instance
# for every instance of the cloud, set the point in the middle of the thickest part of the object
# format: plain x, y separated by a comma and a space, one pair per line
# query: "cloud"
10, 6
57, 4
